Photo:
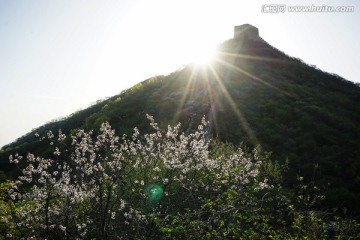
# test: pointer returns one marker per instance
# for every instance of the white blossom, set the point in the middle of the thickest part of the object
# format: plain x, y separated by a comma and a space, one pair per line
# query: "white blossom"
105, 170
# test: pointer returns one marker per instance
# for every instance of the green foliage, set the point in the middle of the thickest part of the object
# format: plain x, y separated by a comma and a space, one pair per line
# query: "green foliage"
304, 116
246, 200
310, 226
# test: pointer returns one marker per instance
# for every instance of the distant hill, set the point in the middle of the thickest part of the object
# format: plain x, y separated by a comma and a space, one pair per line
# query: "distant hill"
252, 93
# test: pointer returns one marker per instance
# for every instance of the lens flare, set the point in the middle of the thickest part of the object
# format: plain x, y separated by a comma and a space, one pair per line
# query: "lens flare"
155, 193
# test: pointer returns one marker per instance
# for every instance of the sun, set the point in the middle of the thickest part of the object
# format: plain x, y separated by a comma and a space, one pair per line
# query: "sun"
203, 56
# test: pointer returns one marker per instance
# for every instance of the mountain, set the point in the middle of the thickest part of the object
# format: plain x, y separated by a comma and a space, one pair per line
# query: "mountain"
253, 94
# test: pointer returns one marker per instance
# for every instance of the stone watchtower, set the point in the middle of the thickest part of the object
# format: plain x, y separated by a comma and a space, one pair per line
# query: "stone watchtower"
246, 31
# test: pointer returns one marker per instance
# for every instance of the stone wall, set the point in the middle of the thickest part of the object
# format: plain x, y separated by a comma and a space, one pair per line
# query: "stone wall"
246, 31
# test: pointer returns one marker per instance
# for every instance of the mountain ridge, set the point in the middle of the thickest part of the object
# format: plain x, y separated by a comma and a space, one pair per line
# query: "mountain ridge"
252, 93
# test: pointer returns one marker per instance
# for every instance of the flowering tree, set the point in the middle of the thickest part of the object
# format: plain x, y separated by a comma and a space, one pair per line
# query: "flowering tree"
107, 187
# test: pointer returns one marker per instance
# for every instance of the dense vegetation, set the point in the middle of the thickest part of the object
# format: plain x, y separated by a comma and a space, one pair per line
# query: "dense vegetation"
160, 185
254, 95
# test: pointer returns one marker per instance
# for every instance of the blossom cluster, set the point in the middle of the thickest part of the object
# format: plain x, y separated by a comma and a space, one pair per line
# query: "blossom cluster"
95, 185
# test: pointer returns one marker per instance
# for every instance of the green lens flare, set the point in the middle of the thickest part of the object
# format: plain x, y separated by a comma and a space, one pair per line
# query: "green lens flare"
155, 193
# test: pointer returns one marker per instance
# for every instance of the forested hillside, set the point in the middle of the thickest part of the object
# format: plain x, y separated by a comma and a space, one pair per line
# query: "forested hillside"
252, 94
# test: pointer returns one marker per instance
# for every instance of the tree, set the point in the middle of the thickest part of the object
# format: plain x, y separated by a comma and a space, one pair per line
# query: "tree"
105, 187
164, 184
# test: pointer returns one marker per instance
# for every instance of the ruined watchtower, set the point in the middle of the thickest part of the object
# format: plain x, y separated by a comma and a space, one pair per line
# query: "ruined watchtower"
246, 31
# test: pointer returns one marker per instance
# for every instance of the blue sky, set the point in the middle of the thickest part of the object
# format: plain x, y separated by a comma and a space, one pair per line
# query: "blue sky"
57, 57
